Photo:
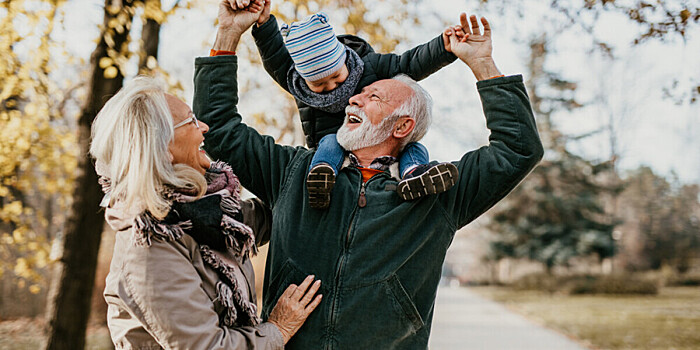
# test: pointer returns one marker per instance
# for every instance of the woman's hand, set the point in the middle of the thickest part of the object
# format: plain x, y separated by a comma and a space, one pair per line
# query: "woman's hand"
294, 306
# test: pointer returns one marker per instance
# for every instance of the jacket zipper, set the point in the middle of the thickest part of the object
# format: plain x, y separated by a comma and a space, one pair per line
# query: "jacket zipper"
361, 201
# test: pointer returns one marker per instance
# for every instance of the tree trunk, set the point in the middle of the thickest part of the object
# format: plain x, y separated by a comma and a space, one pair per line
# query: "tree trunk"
71, 290
149, 39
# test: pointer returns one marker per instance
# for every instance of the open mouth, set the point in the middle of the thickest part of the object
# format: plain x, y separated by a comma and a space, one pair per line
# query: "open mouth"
353, 119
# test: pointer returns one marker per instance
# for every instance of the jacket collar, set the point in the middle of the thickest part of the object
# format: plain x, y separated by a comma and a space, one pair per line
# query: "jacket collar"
388, 164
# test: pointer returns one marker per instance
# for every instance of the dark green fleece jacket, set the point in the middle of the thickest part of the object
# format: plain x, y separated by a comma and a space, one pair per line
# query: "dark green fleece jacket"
379, 264
418, 63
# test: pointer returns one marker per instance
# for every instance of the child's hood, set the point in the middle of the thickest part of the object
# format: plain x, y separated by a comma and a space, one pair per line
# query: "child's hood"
356, 43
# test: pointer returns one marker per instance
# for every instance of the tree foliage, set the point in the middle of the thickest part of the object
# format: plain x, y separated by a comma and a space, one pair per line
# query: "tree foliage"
37, 142
664, 218
656, 21
557, 213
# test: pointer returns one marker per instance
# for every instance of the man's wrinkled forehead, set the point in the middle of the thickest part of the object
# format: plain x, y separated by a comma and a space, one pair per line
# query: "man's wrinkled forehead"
390, 90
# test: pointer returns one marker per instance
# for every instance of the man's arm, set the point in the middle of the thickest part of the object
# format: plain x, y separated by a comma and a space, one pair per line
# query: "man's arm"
260, 164
488, 174
274, 54
418, 62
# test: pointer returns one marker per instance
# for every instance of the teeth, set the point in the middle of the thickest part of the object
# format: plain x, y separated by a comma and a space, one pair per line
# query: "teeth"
354, 119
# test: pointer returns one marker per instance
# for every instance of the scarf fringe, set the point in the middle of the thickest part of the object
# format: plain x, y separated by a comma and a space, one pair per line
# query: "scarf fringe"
146, 227
230, 205
231, 297
217, 168
225, 295
239, 237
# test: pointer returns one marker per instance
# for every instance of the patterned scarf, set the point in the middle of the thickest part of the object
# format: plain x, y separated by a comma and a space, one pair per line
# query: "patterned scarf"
382, 163
214, 222
333, 101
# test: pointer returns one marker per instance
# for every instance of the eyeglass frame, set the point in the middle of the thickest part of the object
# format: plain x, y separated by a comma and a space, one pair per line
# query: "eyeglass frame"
186, 121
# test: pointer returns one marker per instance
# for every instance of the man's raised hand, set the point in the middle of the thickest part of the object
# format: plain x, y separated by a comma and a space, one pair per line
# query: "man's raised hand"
473, 47
234, 22
249, 5
238, 19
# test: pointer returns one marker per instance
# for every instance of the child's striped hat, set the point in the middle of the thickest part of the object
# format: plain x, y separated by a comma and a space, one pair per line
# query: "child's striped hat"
315, 50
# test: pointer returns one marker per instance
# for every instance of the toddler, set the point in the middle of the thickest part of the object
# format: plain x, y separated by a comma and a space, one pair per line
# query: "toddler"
322, 72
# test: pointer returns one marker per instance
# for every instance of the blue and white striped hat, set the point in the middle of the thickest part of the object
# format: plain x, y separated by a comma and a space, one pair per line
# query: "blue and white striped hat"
315, 50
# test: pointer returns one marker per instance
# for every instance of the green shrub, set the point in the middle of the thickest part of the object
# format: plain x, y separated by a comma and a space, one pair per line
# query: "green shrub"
585, 284
684, 281
536, 281
612, 285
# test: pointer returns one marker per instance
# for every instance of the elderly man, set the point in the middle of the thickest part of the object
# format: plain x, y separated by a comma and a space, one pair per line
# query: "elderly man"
379, 258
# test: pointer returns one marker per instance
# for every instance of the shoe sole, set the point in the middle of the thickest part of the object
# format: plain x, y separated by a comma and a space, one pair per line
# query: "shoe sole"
437, 179
319, 183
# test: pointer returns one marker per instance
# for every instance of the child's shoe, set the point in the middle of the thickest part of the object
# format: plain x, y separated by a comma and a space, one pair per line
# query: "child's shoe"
319, 183
427, 179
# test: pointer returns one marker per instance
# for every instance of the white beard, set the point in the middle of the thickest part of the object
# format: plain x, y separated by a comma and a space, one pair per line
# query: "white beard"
365, 135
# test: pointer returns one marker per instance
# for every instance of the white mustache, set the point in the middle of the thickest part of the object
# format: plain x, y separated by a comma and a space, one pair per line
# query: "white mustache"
350, 109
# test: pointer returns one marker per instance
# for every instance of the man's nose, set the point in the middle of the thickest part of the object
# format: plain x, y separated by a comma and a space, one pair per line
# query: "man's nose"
356, 100
203, 126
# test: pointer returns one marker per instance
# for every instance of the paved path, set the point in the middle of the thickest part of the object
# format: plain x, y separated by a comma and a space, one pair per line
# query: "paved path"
466, 321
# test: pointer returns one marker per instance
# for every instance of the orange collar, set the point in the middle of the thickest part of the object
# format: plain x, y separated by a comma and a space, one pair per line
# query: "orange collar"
367, 173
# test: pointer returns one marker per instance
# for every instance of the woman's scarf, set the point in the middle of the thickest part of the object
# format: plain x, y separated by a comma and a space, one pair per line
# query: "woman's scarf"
214, 221
333, 101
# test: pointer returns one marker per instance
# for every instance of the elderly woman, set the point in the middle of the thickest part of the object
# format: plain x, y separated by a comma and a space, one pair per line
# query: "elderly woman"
181, 277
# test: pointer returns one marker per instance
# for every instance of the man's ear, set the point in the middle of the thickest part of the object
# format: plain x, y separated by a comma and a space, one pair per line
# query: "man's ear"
403, 127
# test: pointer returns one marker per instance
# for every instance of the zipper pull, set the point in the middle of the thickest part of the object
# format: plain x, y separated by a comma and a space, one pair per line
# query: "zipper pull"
362, 201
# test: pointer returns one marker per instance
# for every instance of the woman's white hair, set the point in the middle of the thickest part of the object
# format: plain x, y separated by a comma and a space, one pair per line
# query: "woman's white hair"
130, 138
418, 106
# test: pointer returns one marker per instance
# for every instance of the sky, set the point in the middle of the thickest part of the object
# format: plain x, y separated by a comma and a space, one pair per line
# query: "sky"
650, 129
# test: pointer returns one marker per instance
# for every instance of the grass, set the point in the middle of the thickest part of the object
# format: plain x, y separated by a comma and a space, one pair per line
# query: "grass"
669, 320
28, 333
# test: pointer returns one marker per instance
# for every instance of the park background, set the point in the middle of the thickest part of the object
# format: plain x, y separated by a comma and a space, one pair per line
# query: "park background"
607, 227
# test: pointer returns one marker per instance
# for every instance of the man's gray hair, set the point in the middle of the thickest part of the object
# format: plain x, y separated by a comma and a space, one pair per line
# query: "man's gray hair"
418, 106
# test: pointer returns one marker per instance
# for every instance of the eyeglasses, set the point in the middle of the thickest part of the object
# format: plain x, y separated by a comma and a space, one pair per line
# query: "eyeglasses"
186, 121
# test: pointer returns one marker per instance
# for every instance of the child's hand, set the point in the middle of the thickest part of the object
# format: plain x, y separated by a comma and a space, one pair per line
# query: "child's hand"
265, 15
456, 30
475, 47
249, 5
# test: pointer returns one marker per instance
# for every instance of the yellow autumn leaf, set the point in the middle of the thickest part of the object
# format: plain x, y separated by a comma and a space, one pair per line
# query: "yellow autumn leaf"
42, 258
105, 62
21, 268
111, 72
34, 289
13, 209
151, 62
18, 235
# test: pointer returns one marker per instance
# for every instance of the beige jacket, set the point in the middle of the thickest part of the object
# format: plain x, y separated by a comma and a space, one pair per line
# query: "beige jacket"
163, 296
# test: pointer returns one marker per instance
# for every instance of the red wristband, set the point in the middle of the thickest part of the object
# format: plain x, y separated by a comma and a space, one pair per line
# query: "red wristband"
213, 52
